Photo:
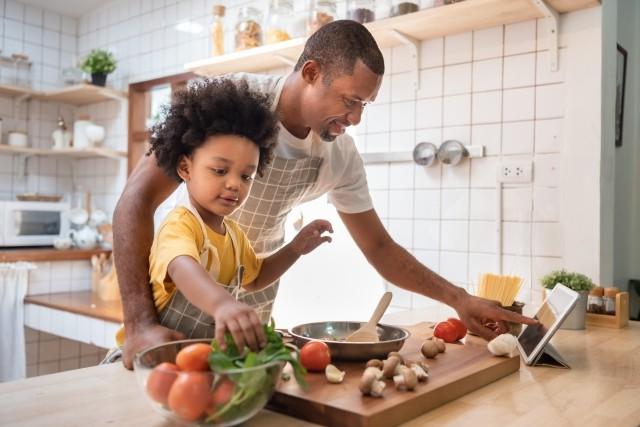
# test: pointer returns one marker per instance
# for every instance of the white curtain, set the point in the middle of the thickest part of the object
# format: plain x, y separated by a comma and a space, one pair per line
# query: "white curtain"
14, 280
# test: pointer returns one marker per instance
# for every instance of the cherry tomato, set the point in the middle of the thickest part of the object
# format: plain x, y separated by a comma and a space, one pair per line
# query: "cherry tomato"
194, 357
190, 395
160, 381
446, 331
315, 356
461, 329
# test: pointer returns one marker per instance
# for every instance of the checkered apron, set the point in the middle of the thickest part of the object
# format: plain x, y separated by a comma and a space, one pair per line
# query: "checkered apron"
262, 218
179, 314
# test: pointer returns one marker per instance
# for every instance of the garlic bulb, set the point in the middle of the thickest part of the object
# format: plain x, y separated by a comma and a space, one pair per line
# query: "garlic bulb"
503, 345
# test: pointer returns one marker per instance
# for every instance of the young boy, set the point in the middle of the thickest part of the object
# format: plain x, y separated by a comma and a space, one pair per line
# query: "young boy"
215, 137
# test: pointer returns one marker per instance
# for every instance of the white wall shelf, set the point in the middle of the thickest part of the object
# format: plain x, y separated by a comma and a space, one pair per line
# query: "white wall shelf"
80, 94
67, 152
425, 24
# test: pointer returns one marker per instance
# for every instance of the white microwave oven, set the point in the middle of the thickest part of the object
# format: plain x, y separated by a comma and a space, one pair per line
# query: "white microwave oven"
32, 223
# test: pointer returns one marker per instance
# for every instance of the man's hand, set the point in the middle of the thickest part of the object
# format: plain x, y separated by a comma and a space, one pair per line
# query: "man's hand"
310, 237
487, 318
143, 337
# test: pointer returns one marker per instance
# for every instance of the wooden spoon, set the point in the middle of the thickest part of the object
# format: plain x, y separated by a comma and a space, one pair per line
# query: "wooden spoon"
369, 333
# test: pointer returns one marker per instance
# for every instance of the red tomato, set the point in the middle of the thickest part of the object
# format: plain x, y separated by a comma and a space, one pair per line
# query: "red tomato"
160, 381
446, 331
461, 329
315, 356
190, 395
194, 357
222, 393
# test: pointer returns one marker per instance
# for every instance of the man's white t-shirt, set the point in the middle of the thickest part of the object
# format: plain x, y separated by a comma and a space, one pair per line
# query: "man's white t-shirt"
342, 174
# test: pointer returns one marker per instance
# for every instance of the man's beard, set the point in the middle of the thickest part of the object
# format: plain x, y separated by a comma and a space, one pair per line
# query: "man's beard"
326, 136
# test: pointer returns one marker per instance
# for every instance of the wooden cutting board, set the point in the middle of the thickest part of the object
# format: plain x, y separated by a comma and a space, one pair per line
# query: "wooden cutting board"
461, 369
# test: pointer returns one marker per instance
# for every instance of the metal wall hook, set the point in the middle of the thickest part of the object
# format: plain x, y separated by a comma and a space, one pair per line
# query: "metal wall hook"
424, 153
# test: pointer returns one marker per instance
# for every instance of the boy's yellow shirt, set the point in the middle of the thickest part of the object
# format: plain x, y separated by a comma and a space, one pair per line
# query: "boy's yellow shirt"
181, 234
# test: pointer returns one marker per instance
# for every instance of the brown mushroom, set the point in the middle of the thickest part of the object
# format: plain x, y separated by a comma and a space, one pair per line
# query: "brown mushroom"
406, 379
429, 349
421, 374
398, 355
391, 367
424, 365
440, 343
370, 383
375, 363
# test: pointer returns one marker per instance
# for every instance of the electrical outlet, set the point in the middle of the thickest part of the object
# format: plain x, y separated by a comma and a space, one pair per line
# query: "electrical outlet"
514, 171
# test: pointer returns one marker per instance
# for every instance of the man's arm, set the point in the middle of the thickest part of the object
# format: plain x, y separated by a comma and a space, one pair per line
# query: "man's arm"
146, 188
401, 268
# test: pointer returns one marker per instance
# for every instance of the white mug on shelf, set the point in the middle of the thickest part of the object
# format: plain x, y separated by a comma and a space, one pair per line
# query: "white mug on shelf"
17, 139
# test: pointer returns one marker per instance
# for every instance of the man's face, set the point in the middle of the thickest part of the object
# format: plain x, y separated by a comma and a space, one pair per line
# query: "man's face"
329, 109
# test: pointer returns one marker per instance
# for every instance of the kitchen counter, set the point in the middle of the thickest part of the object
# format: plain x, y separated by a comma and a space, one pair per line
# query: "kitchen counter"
48, 254
85, 303
602, 388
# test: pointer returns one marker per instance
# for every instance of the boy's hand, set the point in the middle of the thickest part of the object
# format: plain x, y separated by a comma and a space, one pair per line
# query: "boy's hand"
310, 237
243, 324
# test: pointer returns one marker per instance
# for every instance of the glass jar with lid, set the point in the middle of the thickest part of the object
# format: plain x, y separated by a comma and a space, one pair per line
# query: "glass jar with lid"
217, 30
279, 21
402, 7
248, 28
610, 300
321, 13
595, 300
362, 11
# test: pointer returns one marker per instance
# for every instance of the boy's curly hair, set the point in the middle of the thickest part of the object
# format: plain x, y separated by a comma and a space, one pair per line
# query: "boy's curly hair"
212, 107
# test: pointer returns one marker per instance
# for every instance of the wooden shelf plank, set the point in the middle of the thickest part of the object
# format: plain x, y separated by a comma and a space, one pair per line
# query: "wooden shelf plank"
85, 303
48, 254
10, 90
82, 94
66, 152
455, 18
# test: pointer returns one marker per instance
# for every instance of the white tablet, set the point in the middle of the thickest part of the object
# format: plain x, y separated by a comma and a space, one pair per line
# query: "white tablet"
533, 339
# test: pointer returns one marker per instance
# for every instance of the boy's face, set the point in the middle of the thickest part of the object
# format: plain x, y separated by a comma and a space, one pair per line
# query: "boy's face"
220, 173
334, 107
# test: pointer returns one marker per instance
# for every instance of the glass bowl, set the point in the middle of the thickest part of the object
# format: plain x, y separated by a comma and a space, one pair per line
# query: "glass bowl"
195, 398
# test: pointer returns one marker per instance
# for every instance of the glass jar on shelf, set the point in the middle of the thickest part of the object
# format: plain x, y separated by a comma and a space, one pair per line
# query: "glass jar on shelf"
362, 11
248, 28
217, 30
279, 21
595, 301
321, 13
610, 300
402, 7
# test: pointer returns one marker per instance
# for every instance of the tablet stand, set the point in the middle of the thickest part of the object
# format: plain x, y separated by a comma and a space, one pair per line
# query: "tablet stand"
548, 356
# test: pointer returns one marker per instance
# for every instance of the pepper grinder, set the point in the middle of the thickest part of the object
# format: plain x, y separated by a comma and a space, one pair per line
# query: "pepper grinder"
61, 136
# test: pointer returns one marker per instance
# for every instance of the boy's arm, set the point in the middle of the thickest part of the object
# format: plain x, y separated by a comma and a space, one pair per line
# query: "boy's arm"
274, 266
210, 297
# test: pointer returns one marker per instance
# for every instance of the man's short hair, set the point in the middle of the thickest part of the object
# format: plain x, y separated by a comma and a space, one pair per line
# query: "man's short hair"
338, 45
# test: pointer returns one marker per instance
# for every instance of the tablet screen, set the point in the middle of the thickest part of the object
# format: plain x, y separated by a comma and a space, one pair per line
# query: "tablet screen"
548, 314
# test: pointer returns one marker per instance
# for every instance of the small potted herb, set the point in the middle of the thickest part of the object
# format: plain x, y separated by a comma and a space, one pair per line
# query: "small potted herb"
99, 63
577, 282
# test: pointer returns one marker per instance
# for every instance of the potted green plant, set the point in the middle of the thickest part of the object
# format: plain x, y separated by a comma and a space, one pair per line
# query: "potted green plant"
99, 63
579, 283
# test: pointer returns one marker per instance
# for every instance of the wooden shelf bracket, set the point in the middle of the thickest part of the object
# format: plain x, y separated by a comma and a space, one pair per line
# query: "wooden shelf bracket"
414, 45
552, 24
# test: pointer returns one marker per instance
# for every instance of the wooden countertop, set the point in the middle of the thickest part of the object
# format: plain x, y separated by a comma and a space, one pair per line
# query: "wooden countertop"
602, 388
86, 303
48, 254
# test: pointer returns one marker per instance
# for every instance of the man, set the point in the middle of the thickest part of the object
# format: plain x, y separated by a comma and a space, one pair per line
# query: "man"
337, 75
